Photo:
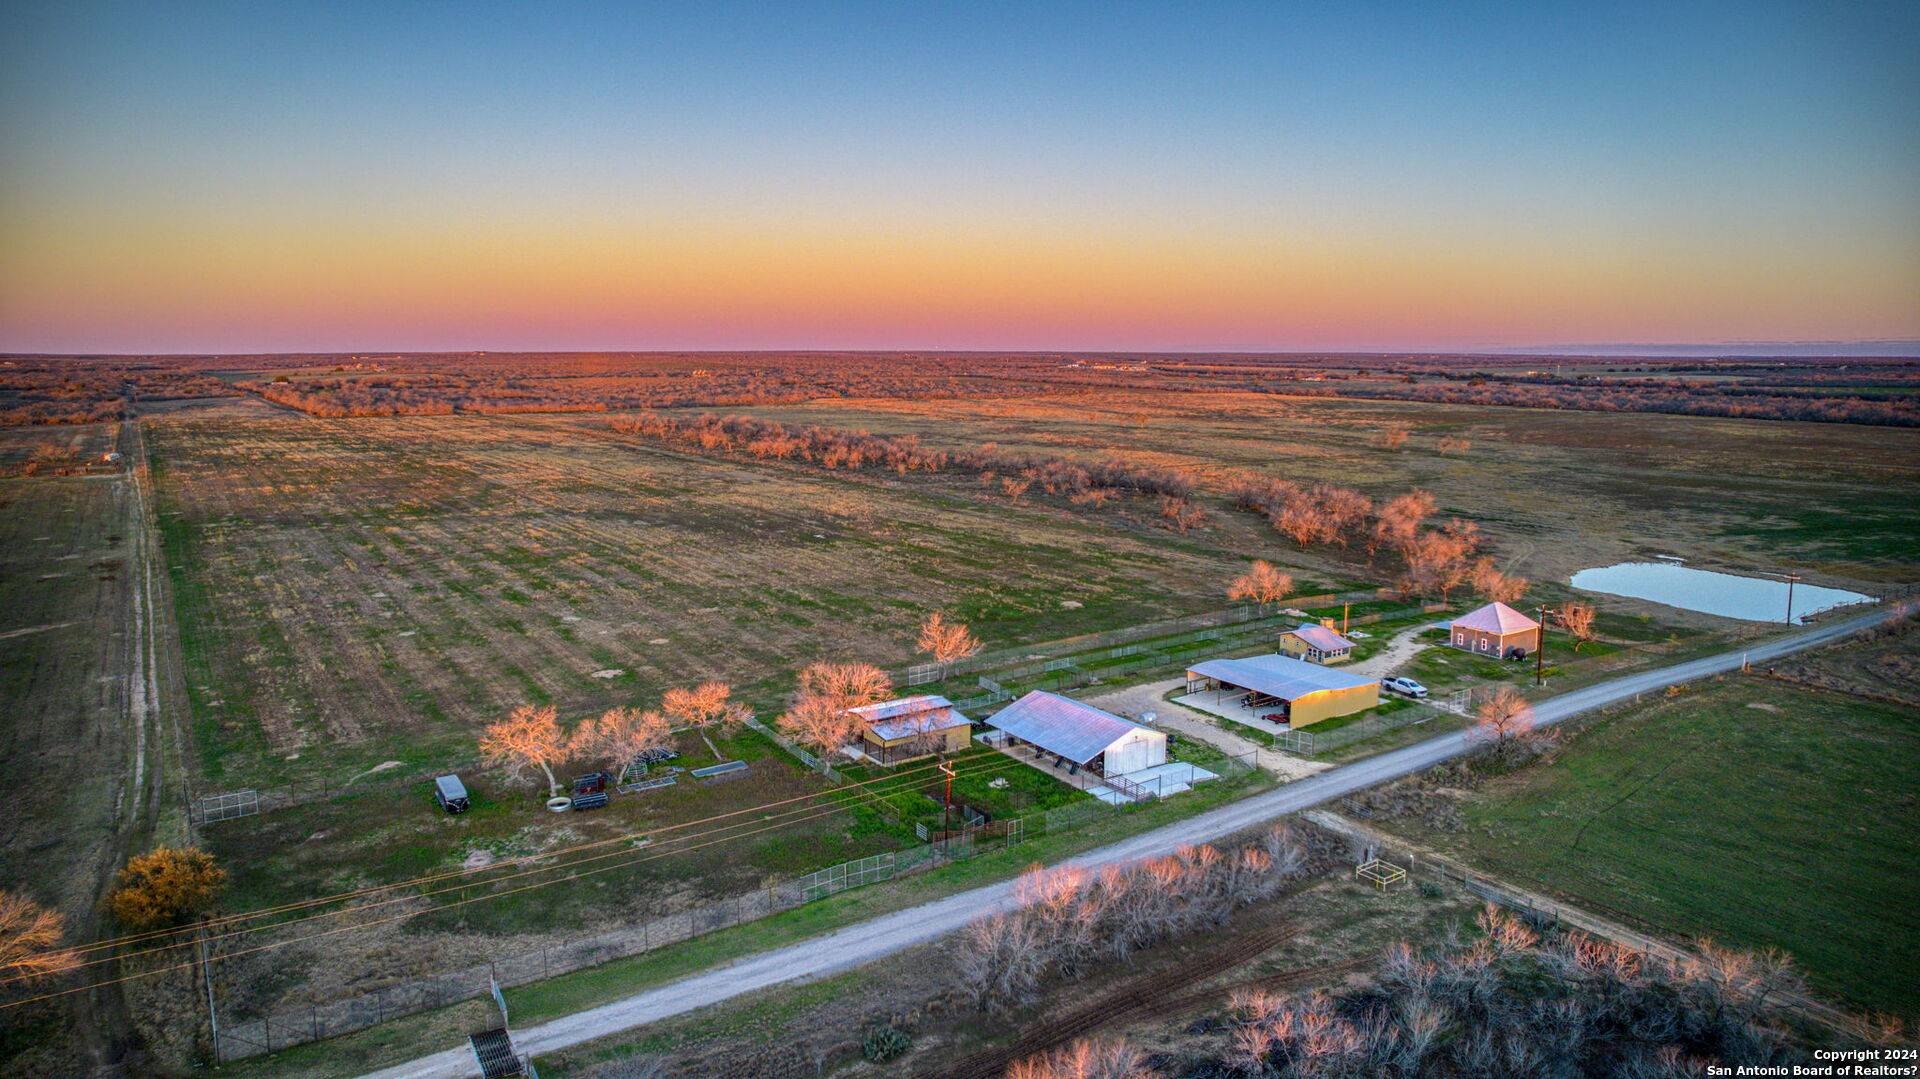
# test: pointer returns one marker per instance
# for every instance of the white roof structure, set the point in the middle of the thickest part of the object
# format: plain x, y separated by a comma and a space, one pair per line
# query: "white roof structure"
1321, 637
1079, 732
1496, 618
909, 715
1278, 676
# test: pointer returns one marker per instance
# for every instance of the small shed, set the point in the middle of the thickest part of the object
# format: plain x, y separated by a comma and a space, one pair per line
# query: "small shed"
1494, 630
909, 728
1295, 690
1081, 734
1316, 644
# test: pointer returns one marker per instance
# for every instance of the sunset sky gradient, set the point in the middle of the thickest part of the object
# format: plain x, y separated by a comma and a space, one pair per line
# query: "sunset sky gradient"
1273, 176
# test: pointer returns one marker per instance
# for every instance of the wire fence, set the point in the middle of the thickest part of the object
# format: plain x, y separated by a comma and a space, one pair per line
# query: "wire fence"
1308, 742
1065, 646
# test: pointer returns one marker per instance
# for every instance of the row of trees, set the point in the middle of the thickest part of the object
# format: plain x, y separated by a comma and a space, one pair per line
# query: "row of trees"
531, 738
820, 715
1512, 1001
1081, 482
1437, 560
1070, 920
165, 887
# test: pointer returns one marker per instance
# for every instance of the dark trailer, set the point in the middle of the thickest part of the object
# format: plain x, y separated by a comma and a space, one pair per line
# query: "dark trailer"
450, 793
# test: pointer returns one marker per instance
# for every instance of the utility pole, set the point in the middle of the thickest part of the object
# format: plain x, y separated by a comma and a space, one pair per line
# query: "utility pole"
1345, 609
1790, 578
946, 811
1540, 650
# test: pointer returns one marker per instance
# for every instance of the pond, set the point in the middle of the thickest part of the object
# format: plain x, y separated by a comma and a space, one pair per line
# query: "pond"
1755, 599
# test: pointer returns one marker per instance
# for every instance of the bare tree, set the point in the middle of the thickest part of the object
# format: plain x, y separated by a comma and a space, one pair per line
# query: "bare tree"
702, 707
1393, 438
1301, 520
1086, 1059
1399, 521
1503, 717
1495, 585
528, 738
619, 735
1262, 584
946, 643
1000, 961
852, 684
1182, 514
1343, 510
30, 936
1577, 619
820, 723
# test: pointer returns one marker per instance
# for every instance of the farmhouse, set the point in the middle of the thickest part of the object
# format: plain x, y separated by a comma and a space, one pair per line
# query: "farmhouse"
911, 727
1316, 644
1495, 630
1080, 735
1282, 689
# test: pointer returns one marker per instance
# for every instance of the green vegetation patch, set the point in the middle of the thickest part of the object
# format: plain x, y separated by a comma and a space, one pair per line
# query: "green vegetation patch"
1755, 814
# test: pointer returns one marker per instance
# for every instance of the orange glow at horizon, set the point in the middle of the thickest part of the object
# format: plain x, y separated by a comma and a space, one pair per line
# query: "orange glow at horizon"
740, 281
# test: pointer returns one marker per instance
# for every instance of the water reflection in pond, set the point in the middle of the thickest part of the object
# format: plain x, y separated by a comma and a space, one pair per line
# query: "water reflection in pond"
1756, 599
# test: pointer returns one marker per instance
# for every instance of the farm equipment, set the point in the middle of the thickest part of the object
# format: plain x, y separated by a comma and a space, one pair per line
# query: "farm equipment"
590, 791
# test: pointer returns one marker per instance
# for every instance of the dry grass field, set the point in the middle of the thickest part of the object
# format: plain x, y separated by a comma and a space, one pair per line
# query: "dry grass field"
354, 598
63, 649
1558, 490
354, 591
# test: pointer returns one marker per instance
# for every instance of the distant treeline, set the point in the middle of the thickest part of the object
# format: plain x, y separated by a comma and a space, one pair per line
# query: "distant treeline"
47, 393
1437, 559
835, 448
1825, 390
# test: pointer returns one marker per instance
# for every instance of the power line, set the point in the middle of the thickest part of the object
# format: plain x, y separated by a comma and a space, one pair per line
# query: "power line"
418, 913
991, 768
429, 878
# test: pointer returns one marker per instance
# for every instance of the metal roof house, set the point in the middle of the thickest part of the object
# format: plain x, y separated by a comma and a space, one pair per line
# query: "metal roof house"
909, 728
1316, 643
1081, 734
1297, 691
1494, 630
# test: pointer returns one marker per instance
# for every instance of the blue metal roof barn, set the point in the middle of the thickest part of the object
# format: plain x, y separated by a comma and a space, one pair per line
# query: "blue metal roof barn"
1277, 676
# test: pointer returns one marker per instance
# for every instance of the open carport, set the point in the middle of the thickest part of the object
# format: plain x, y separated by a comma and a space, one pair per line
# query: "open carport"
1273, 692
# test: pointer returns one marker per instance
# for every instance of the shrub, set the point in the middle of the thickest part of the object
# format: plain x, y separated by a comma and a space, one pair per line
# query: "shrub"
885, 1043
166, 886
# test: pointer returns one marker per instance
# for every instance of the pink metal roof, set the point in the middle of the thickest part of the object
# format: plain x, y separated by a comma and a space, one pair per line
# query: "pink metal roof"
1496, 618
1322, 638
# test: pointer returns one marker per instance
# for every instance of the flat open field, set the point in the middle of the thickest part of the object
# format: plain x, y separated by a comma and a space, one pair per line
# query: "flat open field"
1558, 490
353, 591
63, 650
1757, 814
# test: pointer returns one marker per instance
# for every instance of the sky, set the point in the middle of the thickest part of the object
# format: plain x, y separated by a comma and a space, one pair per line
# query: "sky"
253, 177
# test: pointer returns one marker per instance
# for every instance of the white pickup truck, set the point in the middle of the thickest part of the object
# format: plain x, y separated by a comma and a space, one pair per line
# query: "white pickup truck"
1406, 687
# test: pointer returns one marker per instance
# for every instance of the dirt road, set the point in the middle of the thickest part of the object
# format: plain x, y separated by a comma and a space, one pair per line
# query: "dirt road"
856, 945
1397, 652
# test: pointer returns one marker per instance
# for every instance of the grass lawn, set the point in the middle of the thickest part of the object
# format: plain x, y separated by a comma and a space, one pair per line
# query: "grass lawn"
1755, 814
